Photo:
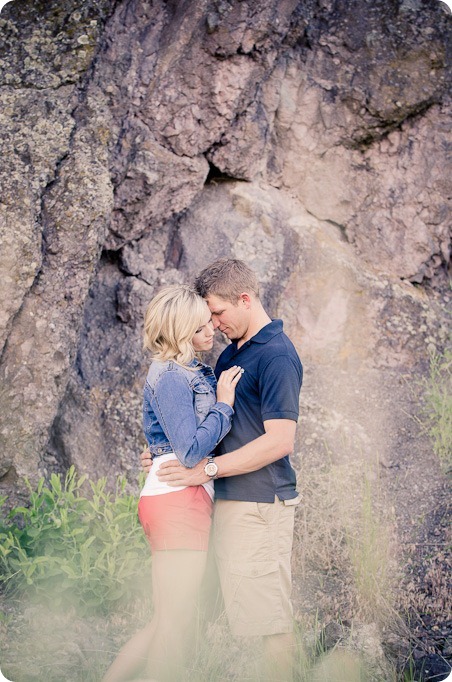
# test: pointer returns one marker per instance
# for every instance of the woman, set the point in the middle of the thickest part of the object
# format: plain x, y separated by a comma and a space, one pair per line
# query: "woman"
183, 419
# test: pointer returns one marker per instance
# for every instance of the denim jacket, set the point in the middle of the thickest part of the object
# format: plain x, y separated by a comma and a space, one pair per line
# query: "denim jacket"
180, 412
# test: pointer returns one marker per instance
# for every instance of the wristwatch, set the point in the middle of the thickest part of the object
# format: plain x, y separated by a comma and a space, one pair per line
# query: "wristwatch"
211, 469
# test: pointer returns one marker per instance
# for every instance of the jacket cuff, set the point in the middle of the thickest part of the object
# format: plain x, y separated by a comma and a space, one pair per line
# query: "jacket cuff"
224, 409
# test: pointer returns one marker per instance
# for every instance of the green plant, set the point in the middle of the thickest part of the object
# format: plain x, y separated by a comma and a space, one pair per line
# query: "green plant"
437, 410
68, 547
409, 671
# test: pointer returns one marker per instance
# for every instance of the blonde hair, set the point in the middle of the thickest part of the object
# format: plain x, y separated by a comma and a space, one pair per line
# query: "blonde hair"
170, 322
227, 278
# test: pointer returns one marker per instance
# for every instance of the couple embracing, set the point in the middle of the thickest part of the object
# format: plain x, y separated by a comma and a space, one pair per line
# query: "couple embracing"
224, 435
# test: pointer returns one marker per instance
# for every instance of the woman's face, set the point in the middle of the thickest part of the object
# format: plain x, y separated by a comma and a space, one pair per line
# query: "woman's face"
203, 338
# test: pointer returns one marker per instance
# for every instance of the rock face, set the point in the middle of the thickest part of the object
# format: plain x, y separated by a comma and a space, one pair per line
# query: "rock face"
142, 140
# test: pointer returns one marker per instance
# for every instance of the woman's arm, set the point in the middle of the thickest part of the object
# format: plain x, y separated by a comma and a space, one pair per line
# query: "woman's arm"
173, 402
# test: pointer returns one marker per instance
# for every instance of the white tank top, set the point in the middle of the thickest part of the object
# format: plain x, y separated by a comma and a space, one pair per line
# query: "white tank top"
152, 485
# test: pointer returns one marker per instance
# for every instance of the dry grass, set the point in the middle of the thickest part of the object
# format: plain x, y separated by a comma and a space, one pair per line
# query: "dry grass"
344, 571
344, 542
437, 407
50, 647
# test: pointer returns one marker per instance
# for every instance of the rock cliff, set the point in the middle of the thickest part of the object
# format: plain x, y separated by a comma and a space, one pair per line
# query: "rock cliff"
142, 140
139, 142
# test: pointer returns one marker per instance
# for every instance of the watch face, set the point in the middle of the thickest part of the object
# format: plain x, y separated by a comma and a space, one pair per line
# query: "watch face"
211, 469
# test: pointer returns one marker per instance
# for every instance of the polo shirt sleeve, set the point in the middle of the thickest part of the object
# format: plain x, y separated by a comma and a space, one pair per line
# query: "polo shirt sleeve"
279, 387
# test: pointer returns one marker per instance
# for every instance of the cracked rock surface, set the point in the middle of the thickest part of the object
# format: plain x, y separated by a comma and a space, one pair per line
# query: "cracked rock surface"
139, 141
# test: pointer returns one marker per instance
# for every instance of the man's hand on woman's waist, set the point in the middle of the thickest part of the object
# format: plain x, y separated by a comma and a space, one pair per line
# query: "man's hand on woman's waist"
146, 460
174, 473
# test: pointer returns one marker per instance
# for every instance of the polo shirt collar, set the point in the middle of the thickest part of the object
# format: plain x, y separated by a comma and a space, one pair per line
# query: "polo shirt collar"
266, 333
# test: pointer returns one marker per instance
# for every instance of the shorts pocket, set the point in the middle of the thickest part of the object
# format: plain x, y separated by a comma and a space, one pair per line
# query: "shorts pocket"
252, 594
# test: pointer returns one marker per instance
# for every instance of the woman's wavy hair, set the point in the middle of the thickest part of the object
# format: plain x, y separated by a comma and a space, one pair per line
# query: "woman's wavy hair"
170, 322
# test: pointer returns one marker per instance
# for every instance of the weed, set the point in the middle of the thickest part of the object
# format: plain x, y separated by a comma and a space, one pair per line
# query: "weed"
68, 548
369, 544
342, 547
437, 409
78, 544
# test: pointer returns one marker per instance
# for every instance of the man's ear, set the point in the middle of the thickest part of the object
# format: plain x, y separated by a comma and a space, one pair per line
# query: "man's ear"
245, 300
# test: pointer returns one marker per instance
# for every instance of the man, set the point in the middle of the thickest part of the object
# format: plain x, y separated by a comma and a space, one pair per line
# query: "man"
255, 494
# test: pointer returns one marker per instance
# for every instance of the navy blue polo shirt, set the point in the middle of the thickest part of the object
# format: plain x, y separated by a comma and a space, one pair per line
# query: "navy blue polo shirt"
268, 389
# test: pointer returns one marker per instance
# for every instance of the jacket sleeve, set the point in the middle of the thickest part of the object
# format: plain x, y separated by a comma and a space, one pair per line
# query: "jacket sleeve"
173, 402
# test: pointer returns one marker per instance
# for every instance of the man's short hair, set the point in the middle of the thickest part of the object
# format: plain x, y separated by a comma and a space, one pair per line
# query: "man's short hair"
227, 278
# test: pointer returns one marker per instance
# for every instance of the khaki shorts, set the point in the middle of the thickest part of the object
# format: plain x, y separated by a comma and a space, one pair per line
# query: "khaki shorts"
253, 547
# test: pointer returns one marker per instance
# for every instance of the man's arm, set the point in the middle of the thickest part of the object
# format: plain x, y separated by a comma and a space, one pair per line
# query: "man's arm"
277, 442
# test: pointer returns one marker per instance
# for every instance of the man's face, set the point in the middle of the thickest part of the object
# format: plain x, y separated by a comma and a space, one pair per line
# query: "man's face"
231, 319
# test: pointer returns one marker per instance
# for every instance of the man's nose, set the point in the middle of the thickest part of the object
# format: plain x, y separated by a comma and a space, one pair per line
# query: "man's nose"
215, 322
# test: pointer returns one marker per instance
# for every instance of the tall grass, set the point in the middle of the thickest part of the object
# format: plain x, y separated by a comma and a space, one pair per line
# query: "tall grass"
437, 408
343, 550
74, 561
369, 544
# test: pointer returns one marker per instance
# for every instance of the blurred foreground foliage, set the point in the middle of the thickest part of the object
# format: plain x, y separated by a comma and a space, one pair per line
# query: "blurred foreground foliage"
75, 544
437, 408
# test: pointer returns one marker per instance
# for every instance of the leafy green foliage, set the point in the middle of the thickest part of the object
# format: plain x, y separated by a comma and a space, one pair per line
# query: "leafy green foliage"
66, 547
